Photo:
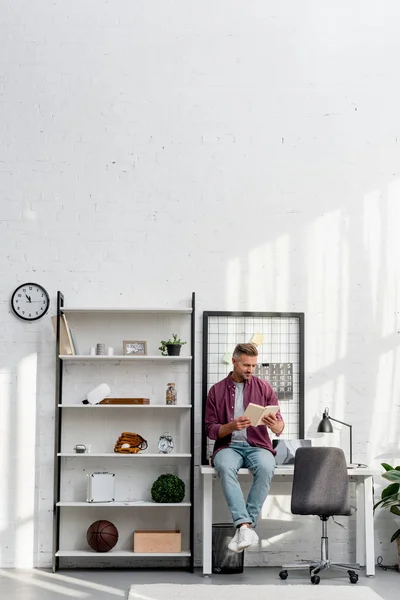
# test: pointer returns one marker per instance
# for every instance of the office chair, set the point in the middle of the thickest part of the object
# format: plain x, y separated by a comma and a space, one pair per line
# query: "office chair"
320, 487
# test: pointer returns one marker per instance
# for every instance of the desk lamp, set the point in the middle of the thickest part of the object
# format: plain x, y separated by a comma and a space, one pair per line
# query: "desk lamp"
325, 426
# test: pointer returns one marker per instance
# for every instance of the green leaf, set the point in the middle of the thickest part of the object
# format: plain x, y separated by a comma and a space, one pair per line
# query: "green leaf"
395, 510
387, 467
395, 535
391, 501
378, 504
391, 489
392, 475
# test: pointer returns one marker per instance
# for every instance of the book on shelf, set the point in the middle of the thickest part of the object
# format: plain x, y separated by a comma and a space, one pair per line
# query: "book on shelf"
125, 401
74, 342
66, 346
255, 412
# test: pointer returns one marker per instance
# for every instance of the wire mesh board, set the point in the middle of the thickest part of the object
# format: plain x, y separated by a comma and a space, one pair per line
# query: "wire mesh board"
280, 340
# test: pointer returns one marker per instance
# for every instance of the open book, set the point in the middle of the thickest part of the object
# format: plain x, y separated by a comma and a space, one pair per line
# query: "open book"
255, 413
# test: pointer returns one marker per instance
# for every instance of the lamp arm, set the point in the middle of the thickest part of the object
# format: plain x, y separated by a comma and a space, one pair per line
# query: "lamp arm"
351, 435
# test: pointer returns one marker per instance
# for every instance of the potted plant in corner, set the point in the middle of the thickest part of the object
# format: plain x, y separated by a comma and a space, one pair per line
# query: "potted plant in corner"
171, 347
390, 498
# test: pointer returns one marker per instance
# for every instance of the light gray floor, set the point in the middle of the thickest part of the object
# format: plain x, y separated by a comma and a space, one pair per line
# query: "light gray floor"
111, 584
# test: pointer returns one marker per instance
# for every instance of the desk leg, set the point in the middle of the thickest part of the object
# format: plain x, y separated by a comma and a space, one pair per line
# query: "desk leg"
360, 522
207, 523
369, 528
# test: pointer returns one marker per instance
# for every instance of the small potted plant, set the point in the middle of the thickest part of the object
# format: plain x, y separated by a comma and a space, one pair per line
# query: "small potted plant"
171, 347
390, 498
168, 488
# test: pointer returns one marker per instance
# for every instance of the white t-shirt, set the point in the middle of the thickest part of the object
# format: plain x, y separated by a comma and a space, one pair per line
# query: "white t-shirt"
239, 436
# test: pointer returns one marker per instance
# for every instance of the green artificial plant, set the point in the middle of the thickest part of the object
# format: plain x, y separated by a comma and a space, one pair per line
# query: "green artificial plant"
174, 342
168, 488
390, 496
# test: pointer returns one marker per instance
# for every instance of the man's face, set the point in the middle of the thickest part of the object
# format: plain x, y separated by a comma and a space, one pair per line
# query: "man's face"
243, 367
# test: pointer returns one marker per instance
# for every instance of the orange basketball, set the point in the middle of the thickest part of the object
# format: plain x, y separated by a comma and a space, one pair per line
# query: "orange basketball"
102, 536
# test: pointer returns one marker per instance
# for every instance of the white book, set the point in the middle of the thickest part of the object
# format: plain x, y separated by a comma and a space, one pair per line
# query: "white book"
255, 412
73, 337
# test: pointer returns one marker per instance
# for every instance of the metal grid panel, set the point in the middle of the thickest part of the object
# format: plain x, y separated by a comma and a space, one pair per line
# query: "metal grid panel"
280, 359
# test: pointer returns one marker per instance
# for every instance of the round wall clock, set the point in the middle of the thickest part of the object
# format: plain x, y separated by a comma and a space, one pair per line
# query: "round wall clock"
30, 301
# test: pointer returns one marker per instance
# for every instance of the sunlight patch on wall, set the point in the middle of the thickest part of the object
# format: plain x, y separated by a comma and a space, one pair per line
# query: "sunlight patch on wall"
282, 272
372, 243
327, 257
268, 275
385, 410
25, 461
5, 449
233, 283
391, 292
277, 506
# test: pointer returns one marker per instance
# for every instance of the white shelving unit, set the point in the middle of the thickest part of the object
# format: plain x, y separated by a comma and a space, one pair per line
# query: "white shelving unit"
99, 426
116, 358
122, 504
139, 456
118, 554
130, 406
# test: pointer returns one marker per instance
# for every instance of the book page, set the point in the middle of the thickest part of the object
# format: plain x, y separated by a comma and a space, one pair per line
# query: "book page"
255, 412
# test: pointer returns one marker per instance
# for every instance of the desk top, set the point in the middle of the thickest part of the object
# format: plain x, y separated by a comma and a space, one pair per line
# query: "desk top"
289, 470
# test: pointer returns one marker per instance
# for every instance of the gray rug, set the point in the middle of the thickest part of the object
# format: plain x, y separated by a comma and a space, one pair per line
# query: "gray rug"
284, 591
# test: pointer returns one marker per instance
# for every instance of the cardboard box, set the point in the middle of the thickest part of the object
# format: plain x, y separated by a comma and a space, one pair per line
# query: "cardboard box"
157, 541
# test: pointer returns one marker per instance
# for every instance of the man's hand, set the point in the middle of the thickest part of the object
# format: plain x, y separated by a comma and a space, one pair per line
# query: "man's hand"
241, 423
235, 425
272, 422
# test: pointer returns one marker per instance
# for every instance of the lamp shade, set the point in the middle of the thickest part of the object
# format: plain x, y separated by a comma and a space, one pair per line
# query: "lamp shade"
325, 425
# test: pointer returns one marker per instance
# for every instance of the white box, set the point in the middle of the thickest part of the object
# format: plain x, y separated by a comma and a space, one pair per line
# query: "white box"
100, 487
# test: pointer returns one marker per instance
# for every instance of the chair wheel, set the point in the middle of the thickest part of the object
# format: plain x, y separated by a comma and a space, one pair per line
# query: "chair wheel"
315, 579
353, 576
283, 575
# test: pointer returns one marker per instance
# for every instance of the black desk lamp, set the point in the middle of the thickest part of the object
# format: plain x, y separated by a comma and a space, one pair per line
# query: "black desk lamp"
325, 426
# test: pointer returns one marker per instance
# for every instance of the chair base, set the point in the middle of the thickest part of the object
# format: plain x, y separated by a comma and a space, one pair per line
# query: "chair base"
316, 566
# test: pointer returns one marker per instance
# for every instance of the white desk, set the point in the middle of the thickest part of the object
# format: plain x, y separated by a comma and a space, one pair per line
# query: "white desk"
365, 553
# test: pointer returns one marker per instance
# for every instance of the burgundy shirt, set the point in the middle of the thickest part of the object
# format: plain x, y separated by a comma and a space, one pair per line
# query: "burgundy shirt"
220, 408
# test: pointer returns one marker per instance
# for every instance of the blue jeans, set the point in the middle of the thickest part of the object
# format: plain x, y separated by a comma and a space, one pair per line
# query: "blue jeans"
261, 463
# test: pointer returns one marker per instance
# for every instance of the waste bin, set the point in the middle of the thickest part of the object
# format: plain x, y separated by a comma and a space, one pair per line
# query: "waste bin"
225, 561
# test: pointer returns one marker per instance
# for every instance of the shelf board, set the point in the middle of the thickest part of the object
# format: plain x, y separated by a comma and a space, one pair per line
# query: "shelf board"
136, 504
118, 553
148, 406
122, 310
121, 357
139, 455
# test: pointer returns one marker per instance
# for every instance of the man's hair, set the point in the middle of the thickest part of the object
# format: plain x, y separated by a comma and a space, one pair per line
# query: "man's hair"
248, 349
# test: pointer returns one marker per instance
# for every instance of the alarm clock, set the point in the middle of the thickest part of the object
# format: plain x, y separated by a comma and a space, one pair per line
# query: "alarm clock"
165, 443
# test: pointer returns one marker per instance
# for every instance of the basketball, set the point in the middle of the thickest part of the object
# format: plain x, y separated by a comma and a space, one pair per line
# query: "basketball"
102, 536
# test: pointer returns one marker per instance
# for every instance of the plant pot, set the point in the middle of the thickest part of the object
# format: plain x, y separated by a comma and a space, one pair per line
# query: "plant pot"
174, 349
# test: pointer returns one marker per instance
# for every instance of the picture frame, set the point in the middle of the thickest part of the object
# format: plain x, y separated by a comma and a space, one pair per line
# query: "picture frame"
134, 348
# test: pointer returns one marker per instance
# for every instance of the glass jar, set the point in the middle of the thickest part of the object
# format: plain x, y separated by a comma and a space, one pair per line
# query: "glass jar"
171, 396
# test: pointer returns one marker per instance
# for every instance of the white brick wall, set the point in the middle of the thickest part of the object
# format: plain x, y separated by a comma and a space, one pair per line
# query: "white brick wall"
246, 151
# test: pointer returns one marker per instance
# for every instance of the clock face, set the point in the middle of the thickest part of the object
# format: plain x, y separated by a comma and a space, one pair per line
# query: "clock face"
165, 444
30, 301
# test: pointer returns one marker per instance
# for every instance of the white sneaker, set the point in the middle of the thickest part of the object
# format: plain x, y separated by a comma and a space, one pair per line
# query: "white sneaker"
233, 544
247, 537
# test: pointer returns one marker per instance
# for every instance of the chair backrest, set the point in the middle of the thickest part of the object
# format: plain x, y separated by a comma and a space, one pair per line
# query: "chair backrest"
320, 482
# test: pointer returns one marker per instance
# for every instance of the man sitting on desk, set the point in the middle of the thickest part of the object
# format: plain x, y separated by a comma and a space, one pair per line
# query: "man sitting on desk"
238, 444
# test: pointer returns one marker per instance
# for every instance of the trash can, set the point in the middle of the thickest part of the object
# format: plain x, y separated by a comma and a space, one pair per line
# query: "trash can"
224, 561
